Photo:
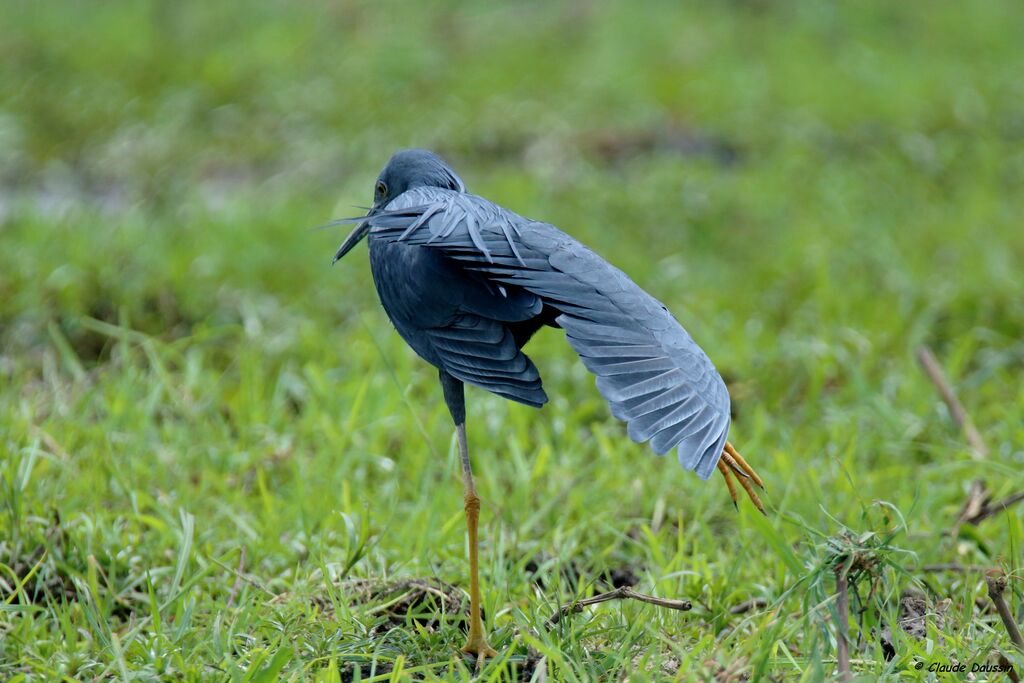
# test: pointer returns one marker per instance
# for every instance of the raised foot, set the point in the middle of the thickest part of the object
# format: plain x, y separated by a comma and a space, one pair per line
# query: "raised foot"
477, 646
733, 466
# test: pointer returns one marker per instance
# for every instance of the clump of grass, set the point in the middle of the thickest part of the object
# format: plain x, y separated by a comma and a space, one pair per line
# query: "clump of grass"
863, 564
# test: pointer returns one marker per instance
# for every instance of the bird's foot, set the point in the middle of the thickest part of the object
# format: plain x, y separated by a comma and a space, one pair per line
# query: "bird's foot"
733, 466
476, 646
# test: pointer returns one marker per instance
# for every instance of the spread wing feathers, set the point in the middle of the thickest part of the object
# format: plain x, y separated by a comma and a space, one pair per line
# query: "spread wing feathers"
482, 351
651, 372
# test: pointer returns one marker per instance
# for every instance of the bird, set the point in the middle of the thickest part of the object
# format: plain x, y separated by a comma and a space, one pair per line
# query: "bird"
466, 283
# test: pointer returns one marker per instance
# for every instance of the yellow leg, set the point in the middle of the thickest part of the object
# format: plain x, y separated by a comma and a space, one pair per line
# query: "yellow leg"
728, 480
733, 466
476, 641
743, 464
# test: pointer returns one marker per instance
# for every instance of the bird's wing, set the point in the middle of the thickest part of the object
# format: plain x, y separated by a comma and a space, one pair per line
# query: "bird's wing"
481, 351
651, 372
459, 320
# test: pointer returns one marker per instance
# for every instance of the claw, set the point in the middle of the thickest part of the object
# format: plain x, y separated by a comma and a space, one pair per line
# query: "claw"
732, 465
743, 464
728, 481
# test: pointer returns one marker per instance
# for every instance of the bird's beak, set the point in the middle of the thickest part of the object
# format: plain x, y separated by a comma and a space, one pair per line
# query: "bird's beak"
352, 240
354, 237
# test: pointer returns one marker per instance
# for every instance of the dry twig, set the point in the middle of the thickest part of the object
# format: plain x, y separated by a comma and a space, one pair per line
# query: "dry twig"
842, 624
975, 502
990, 509
956, 409
996, 586
624, 593
979, 506
953, 567
1008, 667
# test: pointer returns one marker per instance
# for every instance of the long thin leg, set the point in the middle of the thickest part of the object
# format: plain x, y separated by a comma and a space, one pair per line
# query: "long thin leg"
454, 397
476, 642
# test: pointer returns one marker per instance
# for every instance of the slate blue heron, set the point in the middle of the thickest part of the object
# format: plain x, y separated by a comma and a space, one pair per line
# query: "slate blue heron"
466, 283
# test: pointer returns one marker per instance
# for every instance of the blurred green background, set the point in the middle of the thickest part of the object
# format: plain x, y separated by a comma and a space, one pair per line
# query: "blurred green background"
208, 433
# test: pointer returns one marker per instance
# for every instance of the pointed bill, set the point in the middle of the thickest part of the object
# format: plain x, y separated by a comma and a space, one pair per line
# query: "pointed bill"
352, 240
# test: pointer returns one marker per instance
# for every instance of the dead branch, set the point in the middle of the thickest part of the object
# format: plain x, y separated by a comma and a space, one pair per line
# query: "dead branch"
623, 593
956, 409
842, 624
996, 586
1010, 673
954, 567
979, 506
976, 497
994, 508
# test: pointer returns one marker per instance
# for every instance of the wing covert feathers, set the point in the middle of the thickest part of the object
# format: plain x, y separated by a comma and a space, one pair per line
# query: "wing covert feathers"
482, 352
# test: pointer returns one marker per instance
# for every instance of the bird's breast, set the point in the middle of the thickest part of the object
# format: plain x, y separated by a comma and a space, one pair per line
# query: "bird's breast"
402, 275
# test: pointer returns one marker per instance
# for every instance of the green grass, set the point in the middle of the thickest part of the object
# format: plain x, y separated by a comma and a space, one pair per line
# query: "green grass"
219, 461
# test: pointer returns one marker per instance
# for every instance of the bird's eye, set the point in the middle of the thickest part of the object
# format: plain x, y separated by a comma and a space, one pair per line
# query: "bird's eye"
382, 189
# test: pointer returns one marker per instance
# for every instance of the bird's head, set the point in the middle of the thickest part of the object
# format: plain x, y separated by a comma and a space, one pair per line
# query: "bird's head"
409, 168
406, 169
